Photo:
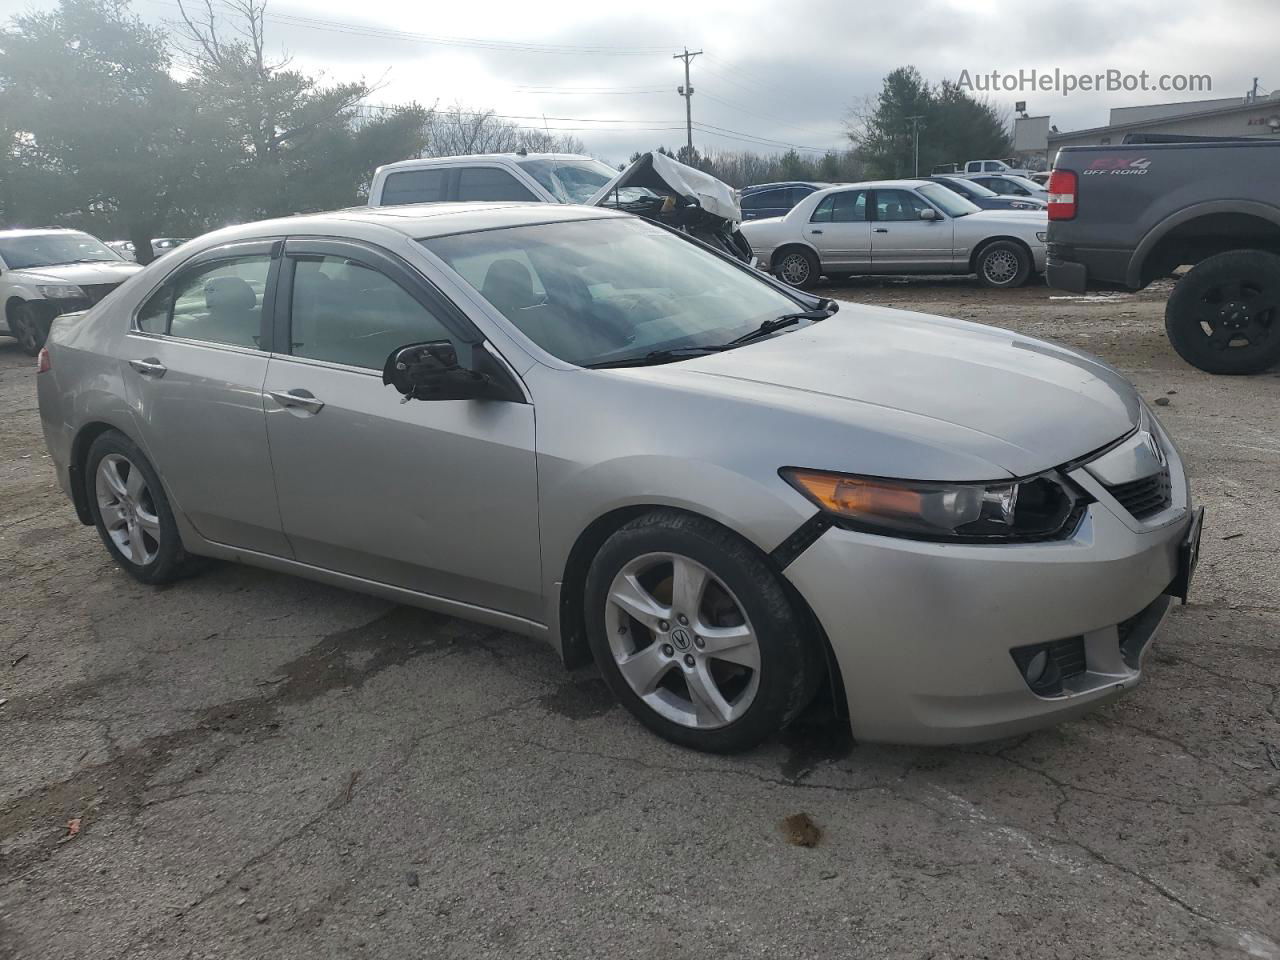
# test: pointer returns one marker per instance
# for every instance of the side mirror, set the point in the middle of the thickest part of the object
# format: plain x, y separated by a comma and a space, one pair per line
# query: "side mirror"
431, 371
929, 214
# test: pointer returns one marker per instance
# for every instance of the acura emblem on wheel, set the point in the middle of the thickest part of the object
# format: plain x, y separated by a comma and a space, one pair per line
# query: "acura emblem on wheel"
680, 637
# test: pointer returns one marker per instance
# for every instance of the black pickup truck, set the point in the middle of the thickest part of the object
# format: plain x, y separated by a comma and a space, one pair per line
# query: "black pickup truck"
1123, 216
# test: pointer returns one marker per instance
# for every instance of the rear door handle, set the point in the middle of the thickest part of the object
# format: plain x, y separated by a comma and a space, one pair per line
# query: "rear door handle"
881, 230
298, 398
150, 367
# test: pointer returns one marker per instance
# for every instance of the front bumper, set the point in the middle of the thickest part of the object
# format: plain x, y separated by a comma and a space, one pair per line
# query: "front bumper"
923, 632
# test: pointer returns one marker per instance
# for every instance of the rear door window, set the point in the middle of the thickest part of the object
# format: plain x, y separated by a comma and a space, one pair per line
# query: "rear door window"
415, 186
218, 302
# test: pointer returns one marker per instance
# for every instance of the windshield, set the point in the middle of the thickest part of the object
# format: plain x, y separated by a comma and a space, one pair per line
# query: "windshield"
576, 181
591, 291
51, 249
1023, 181
967, 188
952, 204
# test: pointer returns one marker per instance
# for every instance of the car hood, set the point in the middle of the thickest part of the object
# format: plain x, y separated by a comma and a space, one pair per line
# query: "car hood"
110, 271
1015, 218
1020, 404
661, 173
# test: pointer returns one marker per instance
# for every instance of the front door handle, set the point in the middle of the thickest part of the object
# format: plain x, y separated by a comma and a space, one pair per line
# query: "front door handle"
882, 230
815, 231
150, 367
299, 399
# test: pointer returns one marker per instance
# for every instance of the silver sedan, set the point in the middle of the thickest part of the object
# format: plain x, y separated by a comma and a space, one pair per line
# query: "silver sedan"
581, 426
898, 226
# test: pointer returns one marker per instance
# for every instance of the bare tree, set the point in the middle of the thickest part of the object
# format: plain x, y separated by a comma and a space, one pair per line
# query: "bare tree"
458, 131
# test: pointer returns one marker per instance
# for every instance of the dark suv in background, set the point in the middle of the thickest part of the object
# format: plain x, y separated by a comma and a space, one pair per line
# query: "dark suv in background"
775, 199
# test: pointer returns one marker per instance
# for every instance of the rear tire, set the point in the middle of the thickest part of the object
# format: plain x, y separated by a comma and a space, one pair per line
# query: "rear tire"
1003, 264
1224, 315
131, 511
695, 634
798, 267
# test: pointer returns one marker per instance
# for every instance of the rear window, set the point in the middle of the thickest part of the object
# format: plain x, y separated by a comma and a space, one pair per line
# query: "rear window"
415, 186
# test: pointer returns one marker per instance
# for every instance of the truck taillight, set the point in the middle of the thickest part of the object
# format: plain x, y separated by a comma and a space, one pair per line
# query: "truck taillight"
43, 364
1062, 195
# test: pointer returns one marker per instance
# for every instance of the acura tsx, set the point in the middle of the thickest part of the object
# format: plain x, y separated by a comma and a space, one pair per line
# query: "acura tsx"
582, 426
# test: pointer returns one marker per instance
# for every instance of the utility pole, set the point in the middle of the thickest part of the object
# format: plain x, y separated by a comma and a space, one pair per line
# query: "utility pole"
687, 92
1253, 94
915, 132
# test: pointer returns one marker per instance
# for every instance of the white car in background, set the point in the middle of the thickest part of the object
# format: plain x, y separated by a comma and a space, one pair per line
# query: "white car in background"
898, 226
47, 272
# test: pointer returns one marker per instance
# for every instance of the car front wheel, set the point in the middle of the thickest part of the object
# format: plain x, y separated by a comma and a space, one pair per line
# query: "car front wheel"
28, 325
1003, 264
695, 634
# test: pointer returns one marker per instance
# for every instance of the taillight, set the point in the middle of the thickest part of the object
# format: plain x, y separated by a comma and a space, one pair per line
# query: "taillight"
1062, 195
43, 363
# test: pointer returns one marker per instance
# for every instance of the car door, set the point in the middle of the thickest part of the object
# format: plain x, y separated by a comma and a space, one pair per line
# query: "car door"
900, 240
839, 230
438, 497
195, 361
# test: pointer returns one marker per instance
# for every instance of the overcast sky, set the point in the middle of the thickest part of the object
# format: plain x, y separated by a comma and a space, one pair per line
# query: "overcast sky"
785, 73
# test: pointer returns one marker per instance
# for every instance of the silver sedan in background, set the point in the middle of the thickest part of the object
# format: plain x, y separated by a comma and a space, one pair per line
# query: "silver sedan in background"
898, 226
584, 427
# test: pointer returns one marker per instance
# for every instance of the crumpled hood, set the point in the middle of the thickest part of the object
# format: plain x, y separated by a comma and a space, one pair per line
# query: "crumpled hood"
1022, 404
110, 271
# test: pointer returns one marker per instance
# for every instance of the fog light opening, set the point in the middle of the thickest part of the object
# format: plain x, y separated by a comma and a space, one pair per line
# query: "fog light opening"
1034, 671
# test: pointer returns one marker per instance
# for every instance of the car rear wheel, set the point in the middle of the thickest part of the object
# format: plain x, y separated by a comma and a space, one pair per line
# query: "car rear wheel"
131, 512
29, 327
695, 634
1224, 315
798, 268
1003, 264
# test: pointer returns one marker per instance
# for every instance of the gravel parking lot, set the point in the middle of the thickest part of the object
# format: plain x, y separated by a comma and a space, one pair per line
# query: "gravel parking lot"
265, 767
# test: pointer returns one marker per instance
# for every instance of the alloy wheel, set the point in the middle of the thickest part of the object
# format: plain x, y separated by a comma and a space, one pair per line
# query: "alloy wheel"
1000, 266
24, 329
1240, 315
127, 508
682, 641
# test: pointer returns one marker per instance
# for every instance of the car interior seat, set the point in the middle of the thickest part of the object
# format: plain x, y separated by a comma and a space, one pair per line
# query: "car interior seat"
233, 315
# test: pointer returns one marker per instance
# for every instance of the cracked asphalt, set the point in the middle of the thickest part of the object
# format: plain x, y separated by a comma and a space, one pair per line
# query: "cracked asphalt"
265, 767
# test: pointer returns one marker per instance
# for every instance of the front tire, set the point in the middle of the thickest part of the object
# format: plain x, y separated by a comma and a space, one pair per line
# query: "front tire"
29, 327
695, 634
799, 268
1003, 264
131, 511
1224, 315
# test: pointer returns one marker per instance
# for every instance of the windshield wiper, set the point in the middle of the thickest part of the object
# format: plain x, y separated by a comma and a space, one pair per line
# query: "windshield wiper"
780, 323
658, 356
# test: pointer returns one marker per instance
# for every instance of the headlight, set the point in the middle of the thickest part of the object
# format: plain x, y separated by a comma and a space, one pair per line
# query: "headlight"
1037, 508
1042, 236
61, 291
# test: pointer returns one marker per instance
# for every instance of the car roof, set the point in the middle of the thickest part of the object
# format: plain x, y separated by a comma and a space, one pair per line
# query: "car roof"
414, 220
879, 185
816, 184
420, 162
37, 231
